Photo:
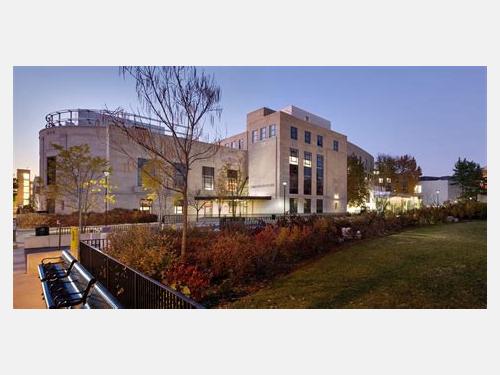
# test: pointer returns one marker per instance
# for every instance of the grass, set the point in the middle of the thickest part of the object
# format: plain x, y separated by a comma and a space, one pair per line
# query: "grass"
441, 266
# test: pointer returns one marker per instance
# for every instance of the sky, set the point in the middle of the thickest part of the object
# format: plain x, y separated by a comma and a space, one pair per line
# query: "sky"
436, 114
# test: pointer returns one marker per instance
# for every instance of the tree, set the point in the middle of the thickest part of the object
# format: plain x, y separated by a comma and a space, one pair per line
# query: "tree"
231, 184
468, 175
197, 205
357, 182
79, 178
153, 175
399, 174
407, 174
182, 99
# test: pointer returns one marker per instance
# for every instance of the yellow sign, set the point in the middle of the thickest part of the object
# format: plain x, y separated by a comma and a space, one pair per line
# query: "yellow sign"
74, 241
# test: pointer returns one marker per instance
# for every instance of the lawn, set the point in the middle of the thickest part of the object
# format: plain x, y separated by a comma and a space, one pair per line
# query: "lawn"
441, 266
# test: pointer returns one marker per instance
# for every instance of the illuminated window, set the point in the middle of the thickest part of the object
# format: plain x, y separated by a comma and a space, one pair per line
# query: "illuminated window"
178, 207
388, 180
380, 180
232, 180
307, 173
418, 189
307, 159
335, 196
294, 156
145, 205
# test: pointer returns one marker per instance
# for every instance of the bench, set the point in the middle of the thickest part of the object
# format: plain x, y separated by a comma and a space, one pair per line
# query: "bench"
67, 284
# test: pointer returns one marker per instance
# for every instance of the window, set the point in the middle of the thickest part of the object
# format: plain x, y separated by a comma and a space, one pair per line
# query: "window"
307, 173
145, 205
179, 173
307, 206
255, 135
272, 130
418, 189
294, 171
233, 144
51, 170
319, 174
226, 145
207, 176
140, 165
388, 179
380, 180
293, 205
335, 145
178, 208
241, 145
232, 180
62, 205
307, 118
294, 156
307, 137
319, 206
293, 132
208, 209
307, 159
320, 141
263, 133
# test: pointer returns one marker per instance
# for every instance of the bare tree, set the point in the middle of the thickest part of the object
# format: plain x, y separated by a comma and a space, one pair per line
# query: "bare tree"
197, 205
182, 99
232, 184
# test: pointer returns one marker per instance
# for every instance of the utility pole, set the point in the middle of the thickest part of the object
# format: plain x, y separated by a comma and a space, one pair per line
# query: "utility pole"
284, 198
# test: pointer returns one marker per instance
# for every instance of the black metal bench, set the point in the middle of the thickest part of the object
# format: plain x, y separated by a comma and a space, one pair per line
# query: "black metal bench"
67, 284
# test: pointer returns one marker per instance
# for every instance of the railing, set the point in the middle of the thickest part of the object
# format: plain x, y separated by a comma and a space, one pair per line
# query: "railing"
131, 288
99, 228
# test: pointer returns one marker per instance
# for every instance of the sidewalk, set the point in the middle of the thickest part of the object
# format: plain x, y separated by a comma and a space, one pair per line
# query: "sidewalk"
27, 288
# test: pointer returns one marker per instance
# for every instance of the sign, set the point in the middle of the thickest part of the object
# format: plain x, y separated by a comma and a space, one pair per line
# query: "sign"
74, 241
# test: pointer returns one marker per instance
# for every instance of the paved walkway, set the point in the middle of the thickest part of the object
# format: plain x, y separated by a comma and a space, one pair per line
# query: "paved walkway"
27, 288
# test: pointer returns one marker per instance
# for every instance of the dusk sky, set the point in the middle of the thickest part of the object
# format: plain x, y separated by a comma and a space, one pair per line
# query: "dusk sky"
436, 114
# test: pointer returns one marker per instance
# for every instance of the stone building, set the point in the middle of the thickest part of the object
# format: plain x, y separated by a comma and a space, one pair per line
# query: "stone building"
290, 161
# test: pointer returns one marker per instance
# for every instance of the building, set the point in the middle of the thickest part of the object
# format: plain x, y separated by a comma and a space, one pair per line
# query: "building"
24, 188
290, 160
438, 190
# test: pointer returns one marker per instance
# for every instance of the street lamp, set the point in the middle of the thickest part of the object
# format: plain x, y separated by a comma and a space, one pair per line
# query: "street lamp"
437, 197
284, 197
106, 174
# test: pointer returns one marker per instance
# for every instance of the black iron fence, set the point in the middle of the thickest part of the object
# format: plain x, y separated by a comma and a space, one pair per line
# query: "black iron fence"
131, 288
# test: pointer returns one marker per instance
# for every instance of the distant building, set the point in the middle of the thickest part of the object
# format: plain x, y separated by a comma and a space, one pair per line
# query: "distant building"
24, 188
438, 190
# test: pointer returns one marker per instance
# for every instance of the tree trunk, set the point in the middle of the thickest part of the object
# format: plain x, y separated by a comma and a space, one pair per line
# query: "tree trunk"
184, 222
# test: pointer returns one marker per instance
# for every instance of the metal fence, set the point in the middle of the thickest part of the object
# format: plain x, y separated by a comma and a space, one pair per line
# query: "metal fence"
131, 288
99, 228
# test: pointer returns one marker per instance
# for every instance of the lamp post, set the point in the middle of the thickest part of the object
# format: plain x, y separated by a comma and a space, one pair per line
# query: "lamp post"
106, 174
437, 197
284, 197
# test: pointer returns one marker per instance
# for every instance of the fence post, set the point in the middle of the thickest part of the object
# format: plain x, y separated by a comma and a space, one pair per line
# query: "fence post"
135, 291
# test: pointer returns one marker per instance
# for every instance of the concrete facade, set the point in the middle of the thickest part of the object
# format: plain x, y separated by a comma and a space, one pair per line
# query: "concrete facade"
438, 190
262, 153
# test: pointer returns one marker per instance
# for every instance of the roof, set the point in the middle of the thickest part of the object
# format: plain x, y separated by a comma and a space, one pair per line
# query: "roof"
431, 178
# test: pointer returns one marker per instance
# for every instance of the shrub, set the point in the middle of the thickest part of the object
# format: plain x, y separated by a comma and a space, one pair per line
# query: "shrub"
144, 249
114, 216
188, 279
